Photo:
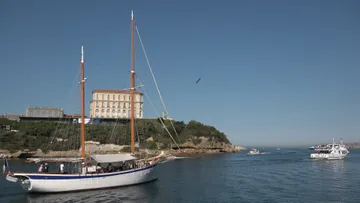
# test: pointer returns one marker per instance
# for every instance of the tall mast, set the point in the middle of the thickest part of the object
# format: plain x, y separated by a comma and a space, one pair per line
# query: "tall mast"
132, 90
82, 82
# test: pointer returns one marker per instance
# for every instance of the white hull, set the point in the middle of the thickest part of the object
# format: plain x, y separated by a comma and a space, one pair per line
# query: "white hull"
327, 156
332, 152
254, 153
50, 183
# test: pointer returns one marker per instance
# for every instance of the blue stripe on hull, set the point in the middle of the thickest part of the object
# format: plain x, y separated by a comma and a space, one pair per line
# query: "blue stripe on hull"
102, 188
97, 175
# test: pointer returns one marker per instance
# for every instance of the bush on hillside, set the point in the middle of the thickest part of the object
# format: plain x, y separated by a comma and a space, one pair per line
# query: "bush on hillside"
60, 137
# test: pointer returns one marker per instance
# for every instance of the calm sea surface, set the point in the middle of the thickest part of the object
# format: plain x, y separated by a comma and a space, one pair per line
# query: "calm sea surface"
287, 175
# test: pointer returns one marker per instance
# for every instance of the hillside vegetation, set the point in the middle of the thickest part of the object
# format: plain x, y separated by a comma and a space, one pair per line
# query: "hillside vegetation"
61, 137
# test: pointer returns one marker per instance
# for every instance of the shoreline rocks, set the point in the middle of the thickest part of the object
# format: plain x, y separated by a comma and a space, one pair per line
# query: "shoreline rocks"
4, 154
186, 149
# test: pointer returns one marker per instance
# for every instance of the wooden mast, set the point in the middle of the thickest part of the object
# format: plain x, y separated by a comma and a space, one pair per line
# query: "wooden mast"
82, 82
132, 90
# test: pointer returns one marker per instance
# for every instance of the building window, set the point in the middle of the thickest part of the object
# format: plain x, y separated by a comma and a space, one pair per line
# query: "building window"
129, 98
124, 105
96, 104
102, 97
119, 97
113, 105
118, 114
108, 97
102, 113
114, 97
113, 113
140, 114
124, 98
96, 112
97, 96
108, 113
124, 114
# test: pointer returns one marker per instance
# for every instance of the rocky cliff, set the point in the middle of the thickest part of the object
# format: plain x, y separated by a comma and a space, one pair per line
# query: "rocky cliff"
206, 146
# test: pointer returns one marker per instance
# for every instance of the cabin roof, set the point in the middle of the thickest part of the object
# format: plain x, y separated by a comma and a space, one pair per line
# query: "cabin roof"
110, 158
55, 160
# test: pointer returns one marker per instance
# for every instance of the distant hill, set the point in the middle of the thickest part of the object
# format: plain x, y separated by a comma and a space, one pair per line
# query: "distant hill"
62, 137
354, 145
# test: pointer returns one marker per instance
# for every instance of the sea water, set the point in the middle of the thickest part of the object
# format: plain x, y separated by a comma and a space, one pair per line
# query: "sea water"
285, 175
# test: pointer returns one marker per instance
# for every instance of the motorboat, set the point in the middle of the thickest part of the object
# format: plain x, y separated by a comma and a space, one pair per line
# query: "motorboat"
254, 151
331, 152
311, 148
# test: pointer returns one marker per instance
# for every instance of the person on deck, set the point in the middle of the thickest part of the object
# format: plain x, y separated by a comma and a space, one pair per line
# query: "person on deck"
46, 168
41, 168
99, 169
62, 168
109, 168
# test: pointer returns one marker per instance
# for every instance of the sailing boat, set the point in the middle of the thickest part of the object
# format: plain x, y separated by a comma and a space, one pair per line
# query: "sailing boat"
136, 172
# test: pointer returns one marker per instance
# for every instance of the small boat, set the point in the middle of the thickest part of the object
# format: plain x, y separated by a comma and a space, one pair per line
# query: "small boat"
254, 151
331, 152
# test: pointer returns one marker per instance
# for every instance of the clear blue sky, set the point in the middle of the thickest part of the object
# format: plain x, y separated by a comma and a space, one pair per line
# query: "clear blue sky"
273, 72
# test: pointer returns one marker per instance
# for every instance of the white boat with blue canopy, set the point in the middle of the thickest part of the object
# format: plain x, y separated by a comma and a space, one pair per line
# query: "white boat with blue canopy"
121, 170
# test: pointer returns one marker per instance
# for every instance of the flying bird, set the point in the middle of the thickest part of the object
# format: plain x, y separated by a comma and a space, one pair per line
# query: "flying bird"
198, 81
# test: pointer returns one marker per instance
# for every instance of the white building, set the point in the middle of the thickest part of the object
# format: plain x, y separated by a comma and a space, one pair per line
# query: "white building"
115, 104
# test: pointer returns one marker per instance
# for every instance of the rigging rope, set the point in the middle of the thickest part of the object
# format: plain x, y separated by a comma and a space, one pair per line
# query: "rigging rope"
60, 125
157, 114
152, 74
